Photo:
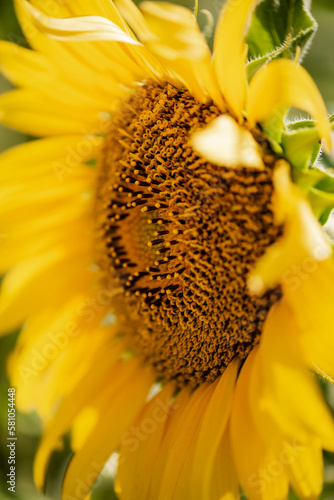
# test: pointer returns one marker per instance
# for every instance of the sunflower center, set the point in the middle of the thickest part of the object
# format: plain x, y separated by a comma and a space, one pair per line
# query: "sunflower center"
180, 236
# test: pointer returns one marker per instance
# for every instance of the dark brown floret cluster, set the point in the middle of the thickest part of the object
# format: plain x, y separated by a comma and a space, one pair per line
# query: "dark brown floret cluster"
180, 236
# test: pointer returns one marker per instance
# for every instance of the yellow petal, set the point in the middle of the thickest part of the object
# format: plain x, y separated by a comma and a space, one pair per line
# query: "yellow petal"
306, 471
134, 17
229, 53
27, 68
115, 416
48, 222
78, 8
17, 247
37, 280
288, 386
35, 114
125, 63
75, 62
309, 291
224, 484
178, 35
210, 434
89, 28
82, 426
140, 446
225, 143
283, 82
266, 426
51, 195
179, 410
177, 475
73, 148
14, 61
100, 383
16, 288
254, 467
171, 33
303, 237
52, 345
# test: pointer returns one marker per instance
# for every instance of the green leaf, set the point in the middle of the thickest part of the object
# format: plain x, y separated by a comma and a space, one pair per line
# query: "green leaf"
318, 187
301, 147
104, 489
327, 162
322, 204
317, 183
306, 179
273, 128
278, 27
57, 466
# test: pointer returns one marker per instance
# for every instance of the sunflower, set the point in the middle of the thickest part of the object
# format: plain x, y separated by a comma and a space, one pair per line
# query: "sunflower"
163, 256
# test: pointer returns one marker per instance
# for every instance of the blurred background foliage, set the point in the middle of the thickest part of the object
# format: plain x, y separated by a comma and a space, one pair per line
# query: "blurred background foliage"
320, 63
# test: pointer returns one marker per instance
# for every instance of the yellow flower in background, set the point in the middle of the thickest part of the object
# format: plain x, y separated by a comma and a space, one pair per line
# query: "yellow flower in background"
173, 284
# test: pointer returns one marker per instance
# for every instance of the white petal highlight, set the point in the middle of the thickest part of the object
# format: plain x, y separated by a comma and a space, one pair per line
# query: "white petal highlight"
223, 142
88, 28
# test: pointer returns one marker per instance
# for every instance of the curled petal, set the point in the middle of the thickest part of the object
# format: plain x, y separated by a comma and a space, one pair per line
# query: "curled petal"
172, 34
283, 82
88, 28
230, 53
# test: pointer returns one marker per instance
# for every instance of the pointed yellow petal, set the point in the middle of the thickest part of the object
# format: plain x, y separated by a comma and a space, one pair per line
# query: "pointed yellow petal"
15, 197
253, 464
175, 29
171, 33
306, 471
38, 115
100, 380
125, 63
14, 61
96, 8
288, 386
139, 450
224, 484
18, 247
79, 28
72, 148
116, 414
177, 476
229, 53
17, 287
27, 68
75, 62
309, 291
303, 237
211, 432
34, 282
283, 82
133, 16
225, 143
51, 346
179, 410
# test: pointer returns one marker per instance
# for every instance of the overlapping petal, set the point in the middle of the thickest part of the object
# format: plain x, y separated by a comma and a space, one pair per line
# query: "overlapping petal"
86, 58
283, 82
230, 53
172, 34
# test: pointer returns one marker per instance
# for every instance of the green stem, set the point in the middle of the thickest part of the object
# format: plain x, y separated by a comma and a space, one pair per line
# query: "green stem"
196, 8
